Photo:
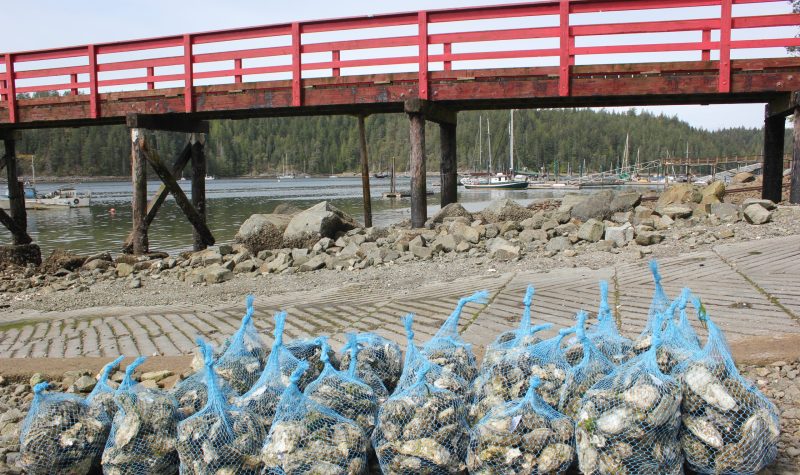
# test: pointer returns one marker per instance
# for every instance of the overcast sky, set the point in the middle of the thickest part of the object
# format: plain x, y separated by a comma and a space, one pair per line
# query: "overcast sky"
42, 24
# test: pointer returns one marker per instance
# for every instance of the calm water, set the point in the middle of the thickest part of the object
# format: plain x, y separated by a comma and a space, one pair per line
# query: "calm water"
230, 202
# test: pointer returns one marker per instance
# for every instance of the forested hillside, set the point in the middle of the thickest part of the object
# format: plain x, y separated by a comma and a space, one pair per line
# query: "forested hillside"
327, 145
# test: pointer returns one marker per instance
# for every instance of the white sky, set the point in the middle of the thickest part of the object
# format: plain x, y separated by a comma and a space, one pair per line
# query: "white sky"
43, 24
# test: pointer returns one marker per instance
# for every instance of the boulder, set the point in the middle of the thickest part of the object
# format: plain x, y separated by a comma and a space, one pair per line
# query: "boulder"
530, 235
648, 238
61, 259
591, 230
743, 177
620, 235
420, 251
97, 264
757, 214
286, 209
245, 267
680, 193
676, 211
216, 274
625, 201
597, 206
20, 255
124, 270
453, 210
506, 210
767, 204
713, 193
501, 249
565, 229
263, 232
321, 220
446, 243
462, 232
205, 257
534, 222
84, 384
315, 263
725, 211
558, 244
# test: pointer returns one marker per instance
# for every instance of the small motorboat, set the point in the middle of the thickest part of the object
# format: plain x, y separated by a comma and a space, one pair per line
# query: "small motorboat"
497, 182
61, 198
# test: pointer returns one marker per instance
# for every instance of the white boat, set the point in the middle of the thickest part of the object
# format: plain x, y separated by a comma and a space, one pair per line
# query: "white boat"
209, 177
61, 198
286, 175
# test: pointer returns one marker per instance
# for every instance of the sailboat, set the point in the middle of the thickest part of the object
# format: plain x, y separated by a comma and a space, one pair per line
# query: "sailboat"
500, 181
286, 175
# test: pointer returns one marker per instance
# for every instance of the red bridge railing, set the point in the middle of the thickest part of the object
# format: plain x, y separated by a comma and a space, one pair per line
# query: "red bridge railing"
441, 38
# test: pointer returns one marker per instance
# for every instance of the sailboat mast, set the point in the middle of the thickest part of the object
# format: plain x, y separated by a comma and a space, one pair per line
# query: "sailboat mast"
480, 142
489, 138
511, 147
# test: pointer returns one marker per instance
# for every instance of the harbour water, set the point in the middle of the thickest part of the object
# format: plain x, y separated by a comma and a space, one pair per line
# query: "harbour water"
229, 203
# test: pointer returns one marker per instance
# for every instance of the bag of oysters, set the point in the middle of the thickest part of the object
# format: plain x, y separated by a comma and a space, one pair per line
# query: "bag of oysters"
376, 355
102, 396
344, 392
447, 349
729, 426
507, 378
310, 350
677, 343
605, 335
307, 437
525, 437
436, 376
144, 431
523, 335
61, 434
422, 429
220, 439
241, 363
658, 307
593, 367
191, 394
629, 422
262, 399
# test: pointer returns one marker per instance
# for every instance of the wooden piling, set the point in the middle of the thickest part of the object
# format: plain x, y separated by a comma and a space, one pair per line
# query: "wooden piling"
139, 241
774, 128
16, 196
362, 136
794, 191
449, 164
199, 172
419, 199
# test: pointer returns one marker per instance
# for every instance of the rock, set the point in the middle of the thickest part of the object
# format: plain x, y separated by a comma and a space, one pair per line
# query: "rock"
97, 264
648, 238
225, 249
680, 193
757, 214
713, 192
625, 201
321, 220
36, 379
561, 216
530, 235
592, 230
20, 255
317, 262
462, 232
61, 259
245, 267
156, 375
676, 211
506, 210
641, 214
664, 222
205, 257
150, 384
453, 210
767, 204
216, 274
299, 257
463, 246
725, 211
558, 244
743, 177
286, 209
262, 232
565, 229
725, 233
501, 249
420, 251
604, 246
84, 384
622, 217
124, 270
570, 253
445, 243
534, 222
597, 206
281, 262
322, 245
135, 284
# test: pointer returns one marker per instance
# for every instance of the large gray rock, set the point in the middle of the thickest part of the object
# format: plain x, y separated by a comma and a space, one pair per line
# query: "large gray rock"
216, 274
680, 193
725, 211
676, 211
767, 204
591, 230
597, 206
743, 177
558, 244
757, 214
506, 210
648, 238
315, 263
625, 201
501, 249
321, 220
530, 235
462, 232
620, 235
453, 210
263, 232
446, 243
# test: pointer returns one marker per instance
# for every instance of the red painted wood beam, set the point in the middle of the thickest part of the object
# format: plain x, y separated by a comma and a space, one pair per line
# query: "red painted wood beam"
422, 21
11, 93
94, 93
725, 47
705, 55
448, 63
297, 66
336, 71
188, 74
564, 44
237, 66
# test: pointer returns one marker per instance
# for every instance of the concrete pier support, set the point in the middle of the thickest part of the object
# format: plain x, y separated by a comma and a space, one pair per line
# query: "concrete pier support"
139, 239
199, 172
449, 164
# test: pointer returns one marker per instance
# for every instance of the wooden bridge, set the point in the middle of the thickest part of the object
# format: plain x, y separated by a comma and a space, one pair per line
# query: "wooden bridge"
428, 64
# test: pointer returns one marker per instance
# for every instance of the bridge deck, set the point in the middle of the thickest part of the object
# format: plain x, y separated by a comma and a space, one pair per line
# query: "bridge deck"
373, 64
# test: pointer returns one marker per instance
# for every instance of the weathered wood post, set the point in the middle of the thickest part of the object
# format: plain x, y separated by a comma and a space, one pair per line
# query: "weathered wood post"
449, 164
199, 171
794, 191
419, 198
362, 137
774, 129
139, 201
16, 194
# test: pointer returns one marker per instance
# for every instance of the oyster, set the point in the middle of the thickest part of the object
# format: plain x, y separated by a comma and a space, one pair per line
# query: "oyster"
213, 443
309, 350
376, 356
61, 434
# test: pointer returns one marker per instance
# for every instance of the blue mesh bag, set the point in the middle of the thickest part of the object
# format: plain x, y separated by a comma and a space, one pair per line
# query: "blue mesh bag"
220, 439
507, 379
658, 306
191, 394
241, 363
309, 438
144, 432
422, 429
262, 399
605, 335
629, 422
310, 350
435, 375
593, 367
525, 437
61, 434
676, 344
102, 396
523, 335
344, 392
377, 355
447, 349
729, 426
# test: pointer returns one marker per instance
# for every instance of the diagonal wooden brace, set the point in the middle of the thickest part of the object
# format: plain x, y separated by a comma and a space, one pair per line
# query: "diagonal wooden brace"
161, 195
180, 197
21, 236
